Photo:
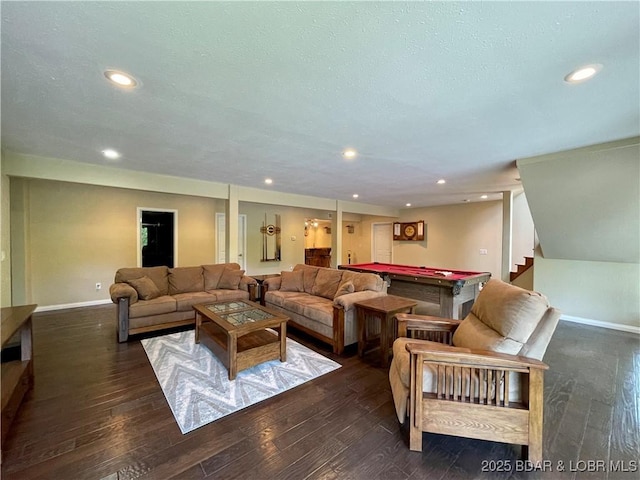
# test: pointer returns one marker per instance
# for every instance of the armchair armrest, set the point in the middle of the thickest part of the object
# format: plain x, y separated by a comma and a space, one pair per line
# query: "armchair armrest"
471, 357
427, 327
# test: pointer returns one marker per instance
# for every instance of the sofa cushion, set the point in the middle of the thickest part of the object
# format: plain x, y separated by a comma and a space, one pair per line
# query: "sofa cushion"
147, 290
145, 308
279, 298
344, 288
230, 279
226, 295
185, 279
319, 310
212, 275
159, 275
292, 281
309, 274
326, 283
363, 281
186, 301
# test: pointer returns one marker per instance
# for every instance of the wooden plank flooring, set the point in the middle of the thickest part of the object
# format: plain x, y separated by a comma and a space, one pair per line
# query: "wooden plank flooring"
97, 412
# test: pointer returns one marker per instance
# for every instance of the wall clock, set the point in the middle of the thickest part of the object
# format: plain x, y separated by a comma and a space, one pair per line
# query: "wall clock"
408, 230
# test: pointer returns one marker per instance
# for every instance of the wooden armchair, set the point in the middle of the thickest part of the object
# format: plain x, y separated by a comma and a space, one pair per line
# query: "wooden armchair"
480, 377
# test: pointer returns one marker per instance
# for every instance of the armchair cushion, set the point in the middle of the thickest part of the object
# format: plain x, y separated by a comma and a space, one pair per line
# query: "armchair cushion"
511, 311
472, 333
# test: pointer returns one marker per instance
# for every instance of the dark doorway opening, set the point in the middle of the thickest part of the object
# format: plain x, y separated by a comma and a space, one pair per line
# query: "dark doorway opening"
157, 242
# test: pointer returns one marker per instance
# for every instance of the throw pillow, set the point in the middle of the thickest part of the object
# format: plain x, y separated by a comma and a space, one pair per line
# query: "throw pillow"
230, 279
291, 282
145, 287
344, 288
326, 284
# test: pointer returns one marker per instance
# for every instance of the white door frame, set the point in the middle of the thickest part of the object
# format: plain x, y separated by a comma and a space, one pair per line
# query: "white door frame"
139, 230
242, 239
373, 239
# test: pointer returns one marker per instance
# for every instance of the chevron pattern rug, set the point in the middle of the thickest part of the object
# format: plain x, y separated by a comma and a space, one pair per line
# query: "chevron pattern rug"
197, 385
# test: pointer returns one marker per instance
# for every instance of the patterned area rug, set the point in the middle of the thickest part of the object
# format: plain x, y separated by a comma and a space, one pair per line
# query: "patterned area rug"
197, 385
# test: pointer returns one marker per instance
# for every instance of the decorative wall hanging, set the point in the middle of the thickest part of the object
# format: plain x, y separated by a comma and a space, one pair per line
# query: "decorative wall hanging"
270, 239
412, 231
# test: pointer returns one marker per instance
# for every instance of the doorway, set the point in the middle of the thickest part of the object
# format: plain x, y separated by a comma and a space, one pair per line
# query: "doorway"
221, 253
157, 237
381, 240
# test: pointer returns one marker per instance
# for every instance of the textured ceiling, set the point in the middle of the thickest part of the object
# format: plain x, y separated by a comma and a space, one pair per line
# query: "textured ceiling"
236, 92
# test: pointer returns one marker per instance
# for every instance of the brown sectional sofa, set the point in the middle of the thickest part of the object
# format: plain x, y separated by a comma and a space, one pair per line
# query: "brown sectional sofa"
154, 298
320, 301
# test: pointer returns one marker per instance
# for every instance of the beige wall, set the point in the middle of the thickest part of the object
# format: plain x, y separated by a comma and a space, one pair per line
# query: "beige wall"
5, 244
454, 235
594, 291
77, 235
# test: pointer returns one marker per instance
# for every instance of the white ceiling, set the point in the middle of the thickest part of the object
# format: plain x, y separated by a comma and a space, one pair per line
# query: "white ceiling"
236, 92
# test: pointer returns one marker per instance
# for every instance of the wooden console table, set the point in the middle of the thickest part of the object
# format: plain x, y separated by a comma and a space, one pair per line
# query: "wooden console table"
17, 375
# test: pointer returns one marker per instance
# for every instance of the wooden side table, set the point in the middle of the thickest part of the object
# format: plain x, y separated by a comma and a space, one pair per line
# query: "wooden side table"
17, 375
380, 309
259, 295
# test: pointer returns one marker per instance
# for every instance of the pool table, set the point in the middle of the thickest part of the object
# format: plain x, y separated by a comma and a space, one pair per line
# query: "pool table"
453, 290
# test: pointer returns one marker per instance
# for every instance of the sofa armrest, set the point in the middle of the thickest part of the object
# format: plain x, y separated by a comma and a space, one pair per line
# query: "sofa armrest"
272, 283
245, 281
348, 300
120, 290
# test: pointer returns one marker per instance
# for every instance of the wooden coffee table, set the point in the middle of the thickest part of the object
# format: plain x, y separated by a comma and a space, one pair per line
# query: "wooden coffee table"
236, 332
382, 309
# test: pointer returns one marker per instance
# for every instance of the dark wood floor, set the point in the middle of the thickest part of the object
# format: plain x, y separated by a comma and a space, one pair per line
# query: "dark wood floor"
97, 412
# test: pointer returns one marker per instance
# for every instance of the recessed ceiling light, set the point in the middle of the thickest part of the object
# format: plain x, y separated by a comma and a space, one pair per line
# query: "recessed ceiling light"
121, 79
484, 197
349, 154
583, 73
268, 181
442, 181
111, 154
355, 195
408, 205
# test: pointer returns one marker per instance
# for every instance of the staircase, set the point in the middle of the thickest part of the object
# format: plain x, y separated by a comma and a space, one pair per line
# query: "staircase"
528, 263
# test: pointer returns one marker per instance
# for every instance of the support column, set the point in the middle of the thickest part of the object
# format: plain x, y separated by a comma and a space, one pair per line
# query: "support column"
336, 237
231, 234
507, 234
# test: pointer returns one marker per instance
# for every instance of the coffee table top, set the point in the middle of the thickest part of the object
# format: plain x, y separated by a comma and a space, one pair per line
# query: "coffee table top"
387, 303
236, 314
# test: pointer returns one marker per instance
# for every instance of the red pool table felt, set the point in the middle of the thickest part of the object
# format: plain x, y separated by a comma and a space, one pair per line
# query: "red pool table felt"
415, 271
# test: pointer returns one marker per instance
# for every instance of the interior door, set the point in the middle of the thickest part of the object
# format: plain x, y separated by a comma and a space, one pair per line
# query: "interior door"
221, 255
157, 237
382, 238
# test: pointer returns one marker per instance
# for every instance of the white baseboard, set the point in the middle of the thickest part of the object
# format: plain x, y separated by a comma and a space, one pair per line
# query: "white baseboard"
63, 306
598, 323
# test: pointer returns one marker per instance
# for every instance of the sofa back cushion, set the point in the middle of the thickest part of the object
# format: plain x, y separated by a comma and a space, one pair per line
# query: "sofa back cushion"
159, 276
185, 280
292, 281
213, 273
230, 279
363, 281
327, 282
309, 274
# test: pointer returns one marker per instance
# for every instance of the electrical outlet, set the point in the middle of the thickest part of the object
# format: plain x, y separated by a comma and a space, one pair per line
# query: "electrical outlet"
483, 251
98, 286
